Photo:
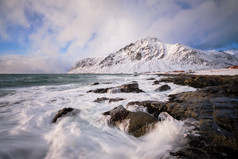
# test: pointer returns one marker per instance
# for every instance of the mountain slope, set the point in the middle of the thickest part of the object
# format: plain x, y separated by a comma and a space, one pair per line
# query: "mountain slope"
152, 55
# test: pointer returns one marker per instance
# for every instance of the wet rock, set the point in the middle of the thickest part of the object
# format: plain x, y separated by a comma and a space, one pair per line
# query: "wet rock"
102, 99
140, 123
201, 81
64, 112
115, 99
117, 114
96, 83
215, 108
150, 79
163, 88
100, 90
132, 87
156, 82
153, 107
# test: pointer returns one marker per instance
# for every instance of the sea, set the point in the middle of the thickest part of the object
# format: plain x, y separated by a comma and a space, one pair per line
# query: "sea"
28, 103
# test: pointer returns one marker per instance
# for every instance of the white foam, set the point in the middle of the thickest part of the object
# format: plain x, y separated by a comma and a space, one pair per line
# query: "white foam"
85, 135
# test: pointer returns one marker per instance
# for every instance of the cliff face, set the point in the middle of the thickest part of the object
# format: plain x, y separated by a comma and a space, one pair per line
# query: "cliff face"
152, 55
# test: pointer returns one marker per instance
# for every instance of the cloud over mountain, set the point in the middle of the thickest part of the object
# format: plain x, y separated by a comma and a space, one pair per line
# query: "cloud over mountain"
77, 29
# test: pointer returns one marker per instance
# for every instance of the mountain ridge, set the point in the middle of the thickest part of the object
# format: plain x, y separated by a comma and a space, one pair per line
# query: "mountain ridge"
152, 55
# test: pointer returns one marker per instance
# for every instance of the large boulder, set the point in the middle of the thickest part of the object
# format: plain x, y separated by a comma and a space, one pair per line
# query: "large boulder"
139, 124
132, 87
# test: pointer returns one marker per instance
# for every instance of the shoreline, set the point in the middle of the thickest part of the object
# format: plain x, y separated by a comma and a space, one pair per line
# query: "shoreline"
214, 106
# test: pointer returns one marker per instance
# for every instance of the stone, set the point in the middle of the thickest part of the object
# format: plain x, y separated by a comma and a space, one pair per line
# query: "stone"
153, 107
96, 83
100, 90
117, 114
140, 123
63, 112
132, 87
150, 79
115, 99
156, 82
163, 88
102, 99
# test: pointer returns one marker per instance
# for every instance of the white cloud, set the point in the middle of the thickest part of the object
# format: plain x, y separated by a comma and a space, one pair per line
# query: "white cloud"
31, 64
116, 23
12, 13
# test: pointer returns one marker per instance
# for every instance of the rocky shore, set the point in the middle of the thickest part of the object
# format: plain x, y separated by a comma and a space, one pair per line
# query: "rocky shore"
213, 108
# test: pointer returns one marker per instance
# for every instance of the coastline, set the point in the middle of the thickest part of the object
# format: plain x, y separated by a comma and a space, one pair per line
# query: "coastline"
214, 109
193, 116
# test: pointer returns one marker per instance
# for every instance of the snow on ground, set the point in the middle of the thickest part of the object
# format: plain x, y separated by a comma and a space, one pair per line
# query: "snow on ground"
218, 72
223, 71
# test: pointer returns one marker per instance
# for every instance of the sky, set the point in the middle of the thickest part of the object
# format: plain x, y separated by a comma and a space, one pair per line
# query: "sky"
49, 36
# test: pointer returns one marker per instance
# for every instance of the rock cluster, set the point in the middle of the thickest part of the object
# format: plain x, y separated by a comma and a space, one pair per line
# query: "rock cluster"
132, 87
200, 81
215, 108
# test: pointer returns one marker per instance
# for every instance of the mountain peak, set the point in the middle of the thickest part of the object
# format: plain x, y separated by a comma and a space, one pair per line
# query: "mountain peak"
152, 55
149, 40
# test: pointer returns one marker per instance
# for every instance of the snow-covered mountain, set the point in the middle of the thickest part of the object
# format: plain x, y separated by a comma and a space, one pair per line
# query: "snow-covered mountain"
152, 55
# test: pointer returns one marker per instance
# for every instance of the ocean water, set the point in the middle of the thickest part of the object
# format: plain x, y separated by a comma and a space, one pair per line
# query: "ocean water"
28, 104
